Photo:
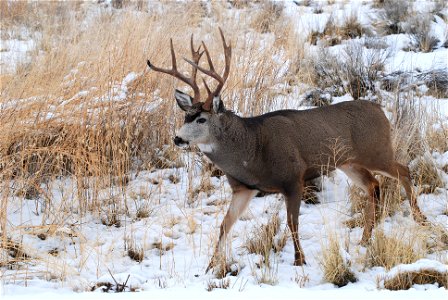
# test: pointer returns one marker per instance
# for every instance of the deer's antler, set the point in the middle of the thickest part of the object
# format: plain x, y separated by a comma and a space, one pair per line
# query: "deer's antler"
212, 73
191, 81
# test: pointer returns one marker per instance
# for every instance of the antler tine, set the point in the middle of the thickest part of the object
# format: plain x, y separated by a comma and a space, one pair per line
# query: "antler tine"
211, 71
174, 72
227, 54
206, 86
196, 56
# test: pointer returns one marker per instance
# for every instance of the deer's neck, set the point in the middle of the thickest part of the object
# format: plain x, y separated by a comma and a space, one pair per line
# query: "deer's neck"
234, 146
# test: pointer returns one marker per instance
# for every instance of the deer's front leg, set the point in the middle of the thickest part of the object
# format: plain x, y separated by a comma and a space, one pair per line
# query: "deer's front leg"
241, 197
293, 199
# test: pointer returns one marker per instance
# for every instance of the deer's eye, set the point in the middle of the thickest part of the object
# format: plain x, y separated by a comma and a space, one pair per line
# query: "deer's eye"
201, 120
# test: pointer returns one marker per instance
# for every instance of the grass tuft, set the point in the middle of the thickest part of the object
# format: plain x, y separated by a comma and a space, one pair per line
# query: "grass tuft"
389, 251
405, 280
335, 264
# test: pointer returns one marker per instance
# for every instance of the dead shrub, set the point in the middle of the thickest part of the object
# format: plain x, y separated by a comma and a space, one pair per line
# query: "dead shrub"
375, 43
323, 71
407, 138
434, 81
355, 72
393, 15
362, 69
111, 218
352, 28
421, 35
317, 97
239, 4
333, 34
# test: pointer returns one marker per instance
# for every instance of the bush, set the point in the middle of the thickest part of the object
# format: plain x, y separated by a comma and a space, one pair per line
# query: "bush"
394, 14
421, 34
354, 72
334, 34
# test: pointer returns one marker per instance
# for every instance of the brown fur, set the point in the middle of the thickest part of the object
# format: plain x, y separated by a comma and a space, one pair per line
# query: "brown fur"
279, 151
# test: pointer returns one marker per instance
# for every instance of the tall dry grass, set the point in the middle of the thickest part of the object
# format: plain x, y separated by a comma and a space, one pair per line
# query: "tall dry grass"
85, 106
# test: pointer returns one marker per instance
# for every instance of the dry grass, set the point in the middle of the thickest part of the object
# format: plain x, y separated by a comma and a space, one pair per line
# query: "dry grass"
437, 138
392, 15
333, 33
426, 174
218, 284
13, 254
268, 16
74, 113
421, 35
262, 240
405, 280
354, 72
390, 250
336, 267
135, 251
391, 199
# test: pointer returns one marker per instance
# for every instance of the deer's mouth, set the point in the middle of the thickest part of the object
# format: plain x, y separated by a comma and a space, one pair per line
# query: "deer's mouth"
178, 141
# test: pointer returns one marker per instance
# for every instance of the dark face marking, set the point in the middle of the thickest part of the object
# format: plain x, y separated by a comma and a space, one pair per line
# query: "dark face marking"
190, 117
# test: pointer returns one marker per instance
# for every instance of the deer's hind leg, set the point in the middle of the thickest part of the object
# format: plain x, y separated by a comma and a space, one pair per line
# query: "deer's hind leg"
365, 180
401, 173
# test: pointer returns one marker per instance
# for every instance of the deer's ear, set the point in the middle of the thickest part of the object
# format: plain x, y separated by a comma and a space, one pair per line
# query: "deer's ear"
218, 105
184, 101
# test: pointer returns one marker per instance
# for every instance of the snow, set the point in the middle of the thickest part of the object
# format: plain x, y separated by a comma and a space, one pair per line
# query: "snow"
179, 235
408, 61
13, 52
421, 264
265, 292
181, 268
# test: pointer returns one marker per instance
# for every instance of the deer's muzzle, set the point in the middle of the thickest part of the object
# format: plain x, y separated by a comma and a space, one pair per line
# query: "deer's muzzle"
180, 142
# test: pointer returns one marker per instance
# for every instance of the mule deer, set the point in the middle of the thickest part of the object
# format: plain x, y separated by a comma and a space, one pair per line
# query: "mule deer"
279, 151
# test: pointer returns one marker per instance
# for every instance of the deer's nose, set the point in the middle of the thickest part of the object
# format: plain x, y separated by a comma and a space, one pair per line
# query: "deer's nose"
179, 141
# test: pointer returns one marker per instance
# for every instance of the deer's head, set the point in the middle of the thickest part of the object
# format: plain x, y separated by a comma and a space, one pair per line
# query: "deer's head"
200, 115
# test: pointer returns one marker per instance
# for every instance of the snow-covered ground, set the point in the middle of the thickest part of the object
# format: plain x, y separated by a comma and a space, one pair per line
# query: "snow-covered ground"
89, 251
178, 235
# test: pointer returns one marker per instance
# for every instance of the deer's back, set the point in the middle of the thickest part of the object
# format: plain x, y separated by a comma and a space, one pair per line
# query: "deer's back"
325, 137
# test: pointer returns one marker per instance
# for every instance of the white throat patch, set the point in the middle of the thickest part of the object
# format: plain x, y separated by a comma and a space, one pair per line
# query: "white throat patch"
206, 148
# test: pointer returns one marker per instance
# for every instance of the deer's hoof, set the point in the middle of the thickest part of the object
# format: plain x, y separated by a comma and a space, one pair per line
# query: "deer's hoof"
299, 261
216, 261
